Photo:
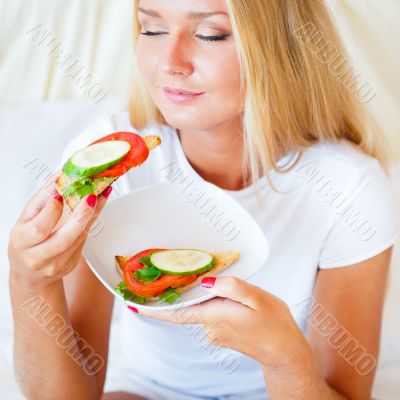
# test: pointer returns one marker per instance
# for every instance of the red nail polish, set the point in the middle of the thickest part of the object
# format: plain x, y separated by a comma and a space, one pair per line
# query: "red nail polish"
107, 192
59, 198
208, 282
91, 200
135, 310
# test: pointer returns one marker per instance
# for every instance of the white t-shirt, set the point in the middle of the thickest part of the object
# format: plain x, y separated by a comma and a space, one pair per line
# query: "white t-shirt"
335, 208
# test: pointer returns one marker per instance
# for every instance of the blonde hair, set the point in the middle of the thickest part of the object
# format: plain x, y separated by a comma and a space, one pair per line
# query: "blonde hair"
298, 84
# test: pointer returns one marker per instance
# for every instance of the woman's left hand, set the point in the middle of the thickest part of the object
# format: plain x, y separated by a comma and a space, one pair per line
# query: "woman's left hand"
244, 318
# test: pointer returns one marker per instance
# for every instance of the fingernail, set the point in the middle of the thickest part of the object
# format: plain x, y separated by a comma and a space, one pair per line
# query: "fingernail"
91, 200
59, 198
208, 282
135, 310
107, 192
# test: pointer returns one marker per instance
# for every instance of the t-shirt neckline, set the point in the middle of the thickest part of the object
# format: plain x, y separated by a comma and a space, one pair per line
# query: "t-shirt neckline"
261, 183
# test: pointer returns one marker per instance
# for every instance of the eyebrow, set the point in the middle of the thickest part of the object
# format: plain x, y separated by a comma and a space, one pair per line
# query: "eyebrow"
191, 14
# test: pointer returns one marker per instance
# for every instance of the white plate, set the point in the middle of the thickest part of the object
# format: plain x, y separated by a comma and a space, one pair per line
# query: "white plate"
162, 216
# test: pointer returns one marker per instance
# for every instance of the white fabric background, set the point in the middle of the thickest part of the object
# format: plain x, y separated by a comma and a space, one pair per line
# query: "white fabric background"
41, 109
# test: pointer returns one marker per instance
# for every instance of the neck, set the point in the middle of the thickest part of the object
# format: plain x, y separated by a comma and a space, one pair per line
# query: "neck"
216, 154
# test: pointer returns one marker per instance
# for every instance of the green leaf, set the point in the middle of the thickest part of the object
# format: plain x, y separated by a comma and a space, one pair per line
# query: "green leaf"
145, 260
169, 296
148, 274
85, 190
78, 185
127, 295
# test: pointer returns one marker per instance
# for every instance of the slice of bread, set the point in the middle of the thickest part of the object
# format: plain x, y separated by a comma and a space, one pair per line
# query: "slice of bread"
224, 260
99, 185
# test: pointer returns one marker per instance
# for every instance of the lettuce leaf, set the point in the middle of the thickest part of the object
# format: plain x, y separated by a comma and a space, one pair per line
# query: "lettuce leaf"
127, 295
85, 190
82, 186
169, 296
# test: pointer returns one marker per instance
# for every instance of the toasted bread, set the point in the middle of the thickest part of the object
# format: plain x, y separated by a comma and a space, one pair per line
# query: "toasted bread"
99, 185
224, 260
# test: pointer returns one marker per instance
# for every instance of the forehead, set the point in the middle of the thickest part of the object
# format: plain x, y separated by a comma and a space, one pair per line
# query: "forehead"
189, 9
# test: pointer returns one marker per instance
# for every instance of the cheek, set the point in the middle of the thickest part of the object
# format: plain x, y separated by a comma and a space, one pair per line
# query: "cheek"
222, 78
223, 75
144, 59
224, 71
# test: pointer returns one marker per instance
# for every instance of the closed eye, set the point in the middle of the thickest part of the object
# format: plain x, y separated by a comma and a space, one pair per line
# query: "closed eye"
148, 33
213, 38
205, 38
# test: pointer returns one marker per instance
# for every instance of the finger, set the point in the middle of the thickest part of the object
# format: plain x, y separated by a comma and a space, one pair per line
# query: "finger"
59, 265
95, 224
79, 223
39, 199
76, 247
213, 310
235, 289
100, 204
183, 315
65, 262
41, 226
102, 199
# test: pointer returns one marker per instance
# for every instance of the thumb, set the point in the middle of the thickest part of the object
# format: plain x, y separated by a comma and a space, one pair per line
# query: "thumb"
235, 289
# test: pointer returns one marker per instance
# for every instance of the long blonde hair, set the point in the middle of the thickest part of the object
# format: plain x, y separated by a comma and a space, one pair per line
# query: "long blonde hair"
298, 83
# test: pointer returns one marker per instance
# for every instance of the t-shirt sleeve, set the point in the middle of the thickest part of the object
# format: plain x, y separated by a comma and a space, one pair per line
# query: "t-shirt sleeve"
365, 224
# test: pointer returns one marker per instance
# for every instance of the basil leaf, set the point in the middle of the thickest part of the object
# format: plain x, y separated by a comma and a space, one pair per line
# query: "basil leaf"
148, 274
169, 296
145, 260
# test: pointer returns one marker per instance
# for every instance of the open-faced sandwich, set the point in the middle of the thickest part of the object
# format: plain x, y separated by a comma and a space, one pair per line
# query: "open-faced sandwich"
164, 274
97, 166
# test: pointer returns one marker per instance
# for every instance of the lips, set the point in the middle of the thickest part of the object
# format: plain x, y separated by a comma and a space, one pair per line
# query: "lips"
180, 92
181, 96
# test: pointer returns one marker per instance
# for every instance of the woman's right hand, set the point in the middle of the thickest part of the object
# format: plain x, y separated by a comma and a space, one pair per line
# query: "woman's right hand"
44, 247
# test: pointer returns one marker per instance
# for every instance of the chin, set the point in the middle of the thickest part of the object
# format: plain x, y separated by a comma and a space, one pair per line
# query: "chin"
187, 121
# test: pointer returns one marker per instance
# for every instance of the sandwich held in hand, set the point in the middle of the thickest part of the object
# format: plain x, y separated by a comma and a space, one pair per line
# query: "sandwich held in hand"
164, 274
93, 169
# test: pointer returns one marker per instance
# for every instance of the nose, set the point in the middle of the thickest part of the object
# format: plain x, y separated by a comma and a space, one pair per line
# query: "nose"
177, 57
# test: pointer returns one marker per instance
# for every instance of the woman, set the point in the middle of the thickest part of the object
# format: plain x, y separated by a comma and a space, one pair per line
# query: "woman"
240, 93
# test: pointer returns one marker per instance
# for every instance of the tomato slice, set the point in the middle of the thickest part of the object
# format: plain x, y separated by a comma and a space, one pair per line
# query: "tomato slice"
156, 287
136, 156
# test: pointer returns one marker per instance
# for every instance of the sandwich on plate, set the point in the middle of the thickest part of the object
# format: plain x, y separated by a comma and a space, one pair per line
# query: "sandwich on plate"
94, 168
164, 274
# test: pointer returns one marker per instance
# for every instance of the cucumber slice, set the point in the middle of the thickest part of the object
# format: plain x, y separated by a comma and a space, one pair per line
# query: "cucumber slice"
182, 262
96, 158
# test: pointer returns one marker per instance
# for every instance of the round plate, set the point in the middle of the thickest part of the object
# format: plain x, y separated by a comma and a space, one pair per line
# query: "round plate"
160, 216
